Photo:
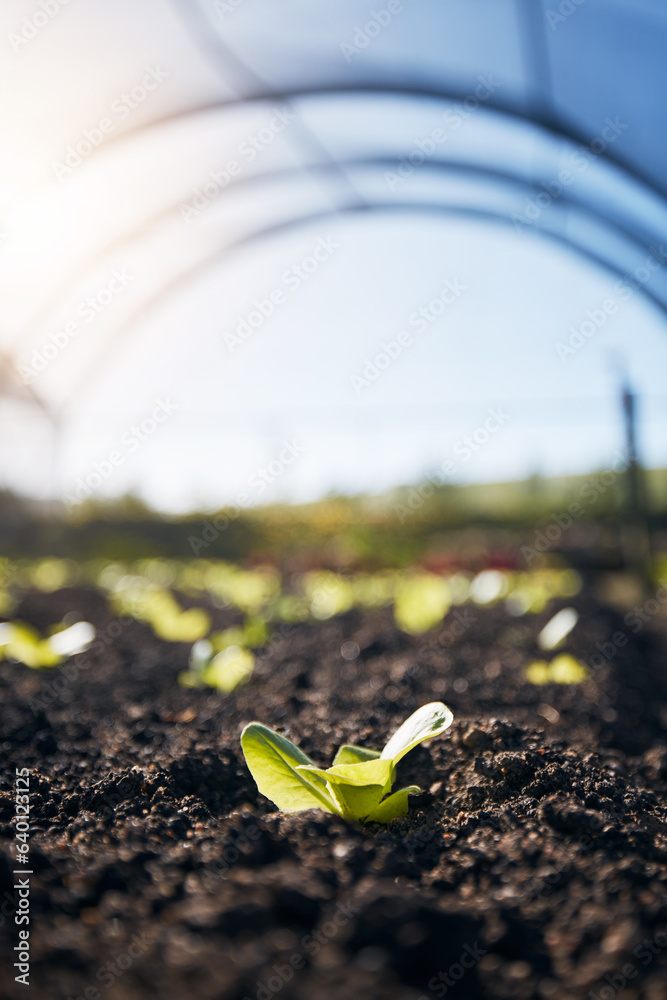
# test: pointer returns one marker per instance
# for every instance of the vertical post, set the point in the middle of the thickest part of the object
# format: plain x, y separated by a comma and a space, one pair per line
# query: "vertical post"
636, 535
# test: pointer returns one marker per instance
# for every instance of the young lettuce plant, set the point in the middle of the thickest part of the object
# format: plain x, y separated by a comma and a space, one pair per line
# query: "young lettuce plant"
356, 785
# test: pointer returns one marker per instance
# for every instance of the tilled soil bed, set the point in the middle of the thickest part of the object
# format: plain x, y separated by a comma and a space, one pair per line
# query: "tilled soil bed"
533, 865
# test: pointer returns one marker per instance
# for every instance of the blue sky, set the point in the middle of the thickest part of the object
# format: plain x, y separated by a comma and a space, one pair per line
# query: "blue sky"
292, 379
473, 311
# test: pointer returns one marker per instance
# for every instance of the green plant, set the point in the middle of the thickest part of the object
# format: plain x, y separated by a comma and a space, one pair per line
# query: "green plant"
20, 641
226, 671
355, 786
563, 669
144, 601
421, 601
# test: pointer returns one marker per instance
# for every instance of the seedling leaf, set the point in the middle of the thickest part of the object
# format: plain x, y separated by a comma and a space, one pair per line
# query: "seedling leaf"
357, 801
70, 641
229, 669
358, 788
22, 642
350, 754
428, 721
273, 761
393, 806
375, 772
201, 655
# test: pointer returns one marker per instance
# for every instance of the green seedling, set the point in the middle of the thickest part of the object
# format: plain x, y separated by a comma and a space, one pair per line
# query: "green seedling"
563, 669
357, 786
556, 631
253, 633
20, 641
159, 608
420, 602
226, 671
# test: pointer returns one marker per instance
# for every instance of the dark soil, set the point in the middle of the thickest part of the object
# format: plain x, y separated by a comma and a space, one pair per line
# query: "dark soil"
533, 865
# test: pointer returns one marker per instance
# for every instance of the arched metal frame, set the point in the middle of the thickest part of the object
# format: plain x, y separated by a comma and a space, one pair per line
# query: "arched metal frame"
428, 208
539, 114
264, 94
